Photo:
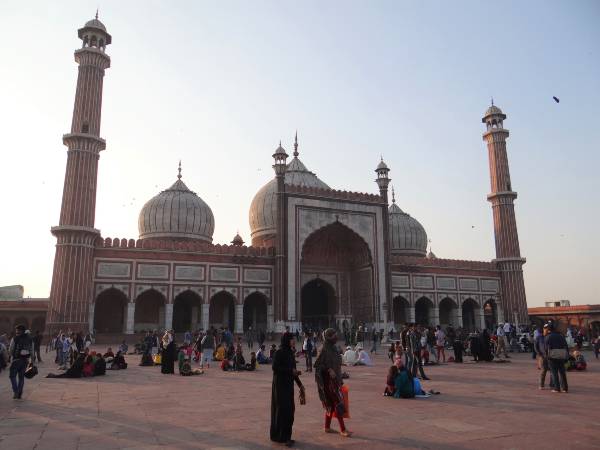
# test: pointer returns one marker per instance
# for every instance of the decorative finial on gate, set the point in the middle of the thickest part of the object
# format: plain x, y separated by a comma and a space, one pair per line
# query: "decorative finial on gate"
179, 170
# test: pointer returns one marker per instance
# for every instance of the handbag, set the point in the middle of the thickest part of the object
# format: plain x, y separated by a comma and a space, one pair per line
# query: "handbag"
31, 371
343, 408
558, 353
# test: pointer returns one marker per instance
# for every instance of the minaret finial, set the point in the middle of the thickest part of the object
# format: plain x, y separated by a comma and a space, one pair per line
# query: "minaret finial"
492, 101
296, 145
96, 13
393, 195
179, 170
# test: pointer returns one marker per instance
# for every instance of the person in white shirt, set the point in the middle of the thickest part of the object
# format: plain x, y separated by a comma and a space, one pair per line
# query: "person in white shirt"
440, 342
363, 358
501, 343
350, 357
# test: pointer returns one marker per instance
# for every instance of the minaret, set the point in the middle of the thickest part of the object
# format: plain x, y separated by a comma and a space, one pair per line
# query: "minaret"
71, 291
508, 255
384, 304
280, 166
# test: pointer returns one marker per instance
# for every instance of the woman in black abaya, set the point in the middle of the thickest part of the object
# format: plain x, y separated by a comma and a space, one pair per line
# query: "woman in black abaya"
282, 397
167, 362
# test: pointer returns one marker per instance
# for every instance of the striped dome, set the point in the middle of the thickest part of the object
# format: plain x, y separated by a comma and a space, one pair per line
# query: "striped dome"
176, 213
406, 235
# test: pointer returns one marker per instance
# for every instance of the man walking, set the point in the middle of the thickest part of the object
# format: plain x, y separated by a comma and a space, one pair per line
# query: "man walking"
37, 344
501, 345
414, 347
20, 350
557, 352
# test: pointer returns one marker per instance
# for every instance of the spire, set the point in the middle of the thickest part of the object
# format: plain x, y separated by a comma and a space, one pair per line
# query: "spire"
492, 101
96, 13
179, 170
393, 195
296, 145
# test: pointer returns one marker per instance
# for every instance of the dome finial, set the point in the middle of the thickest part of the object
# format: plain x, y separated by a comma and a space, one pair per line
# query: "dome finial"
96, 13
393, 195
492, 101
179, 171
296, 145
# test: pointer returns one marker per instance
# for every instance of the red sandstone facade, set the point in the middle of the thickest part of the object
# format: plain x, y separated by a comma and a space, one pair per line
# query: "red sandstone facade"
320, 256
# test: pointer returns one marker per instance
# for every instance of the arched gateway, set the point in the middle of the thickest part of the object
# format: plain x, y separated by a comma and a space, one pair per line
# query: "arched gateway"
339, 255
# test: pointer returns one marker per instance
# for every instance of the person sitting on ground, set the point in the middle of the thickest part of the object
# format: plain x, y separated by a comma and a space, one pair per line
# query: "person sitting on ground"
99, 366
186, 370
261, 356
230, 352
123, 347
252, 364
109, 353
219, 353
88, 367
580, 363
118, 362
408, 386
349, 358
272, 351
146, 359
239, 363
390, 386
363, 358
75, 371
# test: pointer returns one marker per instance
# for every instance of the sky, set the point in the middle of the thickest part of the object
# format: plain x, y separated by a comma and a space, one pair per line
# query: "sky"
218, 84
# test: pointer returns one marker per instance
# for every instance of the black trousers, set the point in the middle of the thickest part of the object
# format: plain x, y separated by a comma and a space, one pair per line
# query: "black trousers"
559, 373
416, 362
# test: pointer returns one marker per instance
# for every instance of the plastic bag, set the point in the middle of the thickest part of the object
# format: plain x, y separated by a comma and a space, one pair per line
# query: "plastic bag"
346, 402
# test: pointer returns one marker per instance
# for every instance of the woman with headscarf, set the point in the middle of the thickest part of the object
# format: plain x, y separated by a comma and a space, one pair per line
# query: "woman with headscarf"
485, 351
328, 375
282, 397
167, 362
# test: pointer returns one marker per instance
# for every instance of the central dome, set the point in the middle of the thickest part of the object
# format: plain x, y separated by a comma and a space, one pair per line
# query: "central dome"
176, 214
263, 209
406, 235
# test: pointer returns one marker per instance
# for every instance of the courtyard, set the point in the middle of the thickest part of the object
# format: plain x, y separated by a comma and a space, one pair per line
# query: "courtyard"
482, 405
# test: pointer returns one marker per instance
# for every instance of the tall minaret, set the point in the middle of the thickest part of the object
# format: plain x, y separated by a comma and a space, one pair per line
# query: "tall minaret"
383, 305
508, 254
71, 291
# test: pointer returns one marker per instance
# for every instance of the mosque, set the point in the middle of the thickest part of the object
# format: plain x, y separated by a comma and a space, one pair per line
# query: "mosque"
318, 256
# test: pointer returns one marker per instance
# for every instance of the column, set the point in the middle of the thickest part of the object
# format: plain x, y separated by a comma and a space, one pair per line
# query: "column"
129, 318
499, 312
435, 316
204, 315
269, 318
91, 317
458, 312
161, 316
411, 314
481, 319
194, 318
168, 316
239, 319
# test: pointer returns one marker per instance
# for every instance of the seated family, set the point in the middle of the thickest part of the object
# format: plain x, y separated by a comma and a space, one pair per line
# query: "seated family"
86, 364
356, 357
401, 384
238, 363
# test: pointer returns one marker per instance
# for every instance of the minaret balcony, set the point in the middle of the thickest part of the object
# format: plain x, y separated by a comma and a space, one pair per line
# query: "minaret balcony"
84, 141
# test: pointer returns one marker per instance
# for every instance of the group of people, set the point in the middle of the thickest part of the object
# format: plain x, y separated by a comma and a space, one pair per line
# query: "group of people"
329, 380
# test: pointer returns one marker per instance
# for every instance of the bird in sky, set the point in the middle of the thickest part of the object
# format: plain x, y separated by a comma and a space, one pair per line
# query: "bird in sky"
556, 99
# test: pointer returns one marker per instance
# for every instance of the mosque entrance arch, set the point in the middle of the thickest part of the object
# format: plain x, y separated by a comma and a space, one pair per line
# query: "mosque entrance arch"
470, 310
423, 309
318, 305
448, 310
109, 311
342, 254
221, 312
149, 309
186, 307
255, 312
400, 312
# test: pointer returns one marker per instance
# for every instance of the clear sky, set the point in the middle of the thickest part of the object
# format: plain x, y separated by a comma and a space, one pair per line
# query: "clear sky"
217, 84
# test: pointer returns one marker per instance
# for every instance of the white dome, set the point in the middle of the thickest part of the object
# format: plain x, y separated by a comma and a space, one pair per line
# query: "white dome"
263, 209
406, 235
176, 213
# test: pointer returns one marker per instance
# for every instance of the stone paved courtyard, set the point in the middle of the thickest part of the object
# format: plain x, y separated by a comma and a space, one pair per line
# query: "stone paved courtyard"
485, 405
